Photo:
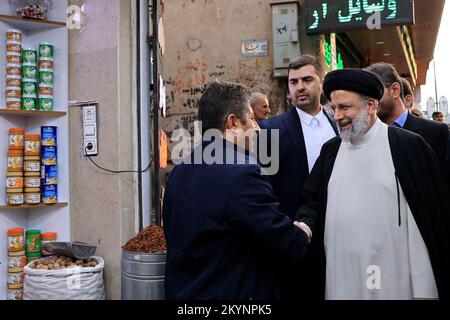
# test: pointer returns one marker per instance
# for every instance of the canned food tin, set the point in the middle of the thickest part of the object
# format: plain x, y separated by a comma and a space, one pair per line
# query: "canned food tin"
15, 280
33, 198
14, 104
13, 92
29, 72
14, 199
15, 240
32, 182
33, 241
32, 145
49, 175
29, 55
15, 160
13, 69
45, 89
16, 264
46, 63
14, 81
49, 155
15, 295
14, 47
45, 103
32, 166
29, 102
49, 136
50, 194
14, 182
13, 57
13, 35
46, 50
46, 76
16, 138
29, 87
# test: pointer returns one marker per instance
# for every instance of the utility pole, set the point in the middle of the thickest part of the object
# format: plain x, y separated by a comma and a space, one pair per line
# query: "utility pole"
435, 85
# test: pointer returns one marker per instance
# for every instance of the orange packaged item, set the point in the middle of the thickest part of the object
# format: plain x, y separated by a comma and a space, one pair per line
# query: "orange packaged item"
15, 160
32, 144
14, 182
16, 240
16, 139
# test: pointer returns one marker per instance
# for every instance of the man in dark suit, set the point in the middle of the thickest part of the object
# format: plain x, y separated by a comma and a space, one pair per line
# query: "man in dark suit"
222, 223
302, 132
392, 111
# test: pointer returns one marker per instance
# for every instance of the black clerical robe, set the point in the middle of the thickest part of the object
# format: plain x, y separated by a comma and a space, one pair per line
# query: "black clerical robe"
421, 177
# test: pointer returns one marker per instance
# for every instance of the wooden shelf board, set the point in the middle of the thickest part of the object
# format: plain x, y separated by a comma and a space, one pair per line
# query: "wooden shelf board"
33, 113
31, 24
28, 206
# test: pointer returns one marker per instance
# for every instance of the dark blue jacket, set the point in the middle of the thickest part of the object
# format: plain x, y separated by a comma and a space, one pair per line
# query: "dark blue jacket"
224, 232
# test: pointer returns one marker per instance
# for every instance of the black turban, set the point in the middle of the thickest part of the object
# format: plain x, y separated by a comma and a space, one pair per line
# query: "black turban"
360, 81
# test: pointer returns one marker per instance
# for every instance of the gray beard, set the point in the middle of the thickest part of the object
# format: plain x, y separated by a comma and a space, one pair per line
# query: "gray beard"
356, 133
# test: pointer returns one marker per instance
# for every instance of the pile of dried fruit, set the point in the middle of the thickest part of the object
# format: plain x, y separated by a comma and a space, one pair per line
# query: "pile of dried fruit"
57, 263
149, 240
34, 11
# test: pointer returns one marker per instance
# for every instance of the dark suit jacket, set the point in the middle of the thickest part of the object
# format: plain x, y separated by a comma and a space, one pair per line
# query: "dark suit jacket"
296, 282
288, 182
224, 232
434, 133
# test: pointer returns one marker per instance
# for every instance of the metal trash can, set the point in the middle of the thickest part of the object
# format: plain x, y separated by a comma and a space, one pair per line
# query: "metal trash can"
143, 276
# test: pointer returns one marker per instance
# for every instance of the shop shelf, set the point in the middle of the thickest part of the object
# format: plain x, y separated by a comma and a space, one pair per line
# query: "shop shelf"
28, 206
30, 24
33, 113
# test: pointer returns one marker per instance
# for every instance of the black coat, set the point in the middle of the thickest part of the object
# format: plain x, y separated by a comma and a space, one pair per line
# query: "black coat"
288, 185
420, 174
224, 231
434, 133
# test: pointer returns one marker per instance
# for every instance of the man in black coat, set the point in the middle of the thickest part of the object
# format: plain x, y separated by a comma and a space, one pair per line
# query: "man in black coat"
222, 223
302, 132
392, 111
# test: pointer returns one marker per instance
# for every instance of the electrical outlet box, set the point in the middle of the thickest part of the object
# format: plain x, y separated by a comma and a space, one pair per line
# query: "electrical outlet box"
90, 133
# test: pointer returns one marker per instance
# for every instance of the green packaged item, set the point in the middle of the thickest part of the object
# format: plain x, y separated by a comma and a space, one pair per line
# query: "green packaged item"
46, 77
33, 242
46, 50
29, 102
29, 56
29, 72
45, 103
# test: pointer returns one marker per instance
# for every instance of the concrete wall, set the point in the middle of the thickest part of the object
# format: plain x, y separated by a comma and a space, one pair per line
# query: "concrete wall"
101, 68
203, 43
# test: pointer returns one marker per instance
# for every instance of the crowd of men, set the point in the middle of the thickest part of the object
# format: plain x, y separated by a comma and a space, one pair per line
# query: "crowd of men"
359, 207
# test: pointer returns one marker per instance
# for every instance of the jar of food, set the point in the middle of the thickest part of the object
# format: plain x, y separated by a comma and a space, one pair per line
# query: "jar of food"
33, 241
15, 295
13, 69
16, 139
46, 50
46, 64
45, 89
15, 280
14, 81
46, 238
13, 92
36, 9
33, 182
45, 103
29, 56
32, 166
13, 35
15, 160
16, 263
49, 194
14, 46
13, 104
15, 240
29, 72
46, 76
29, 102
49, 156
14, 199
29, 86
33, 198
32, 145
13, 57
14, 182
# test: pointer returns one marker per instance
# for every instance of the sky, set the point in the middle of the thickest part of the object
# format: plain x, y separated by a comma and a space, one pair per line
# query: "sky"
441, 56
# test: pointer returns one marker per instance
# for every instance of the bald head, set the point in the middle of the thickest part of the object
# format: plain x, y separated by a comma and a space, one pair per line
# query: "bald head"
260, 105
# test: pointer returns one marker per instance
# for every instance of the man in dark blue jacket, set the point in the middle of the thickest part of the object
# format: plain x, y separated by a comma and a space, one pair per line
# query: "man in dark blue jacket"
222, 223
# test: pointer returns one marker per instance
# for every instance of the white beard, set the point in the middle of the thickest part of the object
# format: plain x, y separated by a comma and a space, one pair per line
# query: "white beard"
358, 129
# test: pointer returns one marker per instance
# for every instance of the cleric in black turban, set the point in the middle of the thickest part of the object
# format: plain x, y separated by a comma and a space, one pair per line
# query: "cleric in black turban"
363, 82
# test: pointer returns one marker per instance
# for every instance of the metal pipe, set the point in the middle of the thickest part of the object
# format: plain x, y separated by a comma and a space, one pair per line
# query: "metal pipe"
139, 106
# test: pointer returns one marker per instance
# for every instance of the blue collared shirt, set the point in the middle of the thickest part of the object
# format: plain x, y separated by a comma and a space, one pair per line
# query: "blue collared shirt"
402, 119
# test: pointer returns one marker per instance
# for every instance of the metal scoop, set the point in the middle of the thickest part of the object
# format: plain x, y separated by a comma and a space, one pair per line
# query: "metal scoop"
78, 250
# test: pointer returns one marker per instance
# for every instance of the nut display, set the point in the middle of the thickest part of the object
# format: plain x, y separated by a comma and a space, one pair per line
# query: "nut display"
149, 240
36, 12
61, 262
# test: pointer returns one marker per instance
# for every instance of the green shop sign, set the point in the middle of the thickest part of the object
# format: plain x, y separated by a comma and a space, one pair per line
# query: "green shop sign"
340, 15
329, 56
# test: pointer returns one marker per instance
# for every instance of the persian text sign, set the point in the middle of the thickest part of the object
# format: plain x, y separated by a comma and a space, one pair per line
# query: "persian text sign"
255, 48
339, 15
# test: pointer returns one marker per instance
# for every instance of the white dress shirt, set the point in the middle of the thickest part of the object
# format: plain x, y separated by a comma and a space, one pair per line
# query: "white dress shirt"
316, 131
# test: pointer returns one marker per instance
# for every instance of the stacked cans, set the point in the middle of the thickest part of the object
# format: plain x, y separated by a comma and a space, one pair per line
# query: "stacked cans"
32, 168
14, 176
49, 173
46, 76
29, 79
13, 69
16, 262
